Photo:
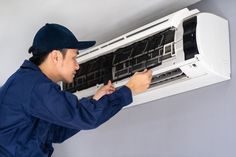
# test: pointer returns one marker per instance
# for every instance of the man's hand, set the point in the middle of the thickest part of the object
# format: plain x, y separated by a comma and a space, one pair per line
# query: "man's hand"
140, 81
106, 89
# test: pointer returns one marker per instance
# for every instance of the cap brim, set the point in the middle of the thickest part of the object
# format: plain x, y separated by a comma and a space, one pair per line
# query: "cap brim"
85, 44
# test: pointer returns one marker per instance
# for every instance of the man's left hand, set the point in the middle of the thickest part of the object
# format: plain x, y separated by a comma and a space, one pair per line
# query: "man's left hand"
106, 89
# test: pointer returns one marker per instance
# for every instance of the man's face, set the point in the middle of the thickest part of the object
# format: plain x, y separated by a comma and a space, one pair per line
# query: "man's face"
69, 65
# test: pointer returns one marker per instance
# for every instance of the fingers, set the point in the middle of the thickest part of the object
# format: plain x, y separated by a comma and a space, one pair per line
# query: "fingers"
142, 72
149, 73
109, 87
109, 83
110, 90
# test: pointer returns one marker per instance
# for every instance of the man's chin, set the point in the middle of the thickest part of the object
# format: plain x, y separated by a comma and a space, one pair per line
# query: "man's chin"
68, 81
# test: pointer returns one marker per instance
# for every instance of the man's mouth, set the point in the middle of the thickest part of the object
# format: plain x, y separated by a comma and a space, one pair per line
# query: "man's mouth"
74, 73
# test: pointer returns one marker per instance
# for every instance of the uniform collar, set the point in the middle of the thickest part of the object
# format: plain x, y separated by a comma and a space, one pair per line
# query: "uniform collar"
29, 65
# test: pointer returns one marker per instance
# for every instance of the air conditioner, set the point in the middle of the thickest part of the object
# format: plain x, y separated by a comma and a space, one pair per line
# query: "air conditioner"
186, 50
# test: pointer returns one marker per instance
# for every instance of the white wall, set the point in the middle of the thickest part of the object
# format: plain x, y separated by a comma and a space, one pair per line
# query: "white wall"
199, 123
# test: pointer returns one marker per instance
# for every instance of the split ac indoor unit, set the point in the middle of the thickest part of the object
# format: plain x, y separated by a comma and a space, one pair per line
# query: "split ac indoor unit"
186, 50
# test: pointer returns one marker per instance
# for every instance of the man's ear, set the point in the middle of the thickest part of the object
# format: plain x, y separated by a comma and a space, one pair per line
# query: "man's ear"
56, 56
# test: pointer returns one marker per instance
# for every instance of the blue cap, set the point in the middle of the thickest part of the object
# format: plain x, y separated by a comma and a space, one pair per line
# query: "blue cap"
55, 37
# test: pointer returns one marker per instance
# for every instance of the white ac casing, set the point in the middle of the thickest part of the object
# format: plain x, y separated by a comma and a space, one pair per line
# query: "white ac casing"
209, 66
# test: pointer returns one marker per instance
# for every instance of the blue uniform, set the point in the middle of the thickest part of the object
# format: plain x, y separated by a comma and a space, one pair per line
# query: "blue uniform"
34, 113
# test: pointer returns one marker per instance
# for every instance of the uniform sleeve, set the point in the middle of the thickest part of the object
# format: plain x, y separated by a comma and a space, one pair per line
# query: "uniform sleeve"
60, 134
51, 104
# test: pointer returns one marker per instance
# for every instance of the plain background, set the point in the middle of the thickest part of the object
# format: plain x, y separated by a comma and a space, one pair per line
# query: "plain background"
199, 123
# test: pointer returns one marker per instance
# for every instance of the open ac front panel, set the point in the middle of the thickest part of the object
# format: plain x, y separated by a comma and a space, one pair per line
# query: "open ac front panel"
124, 62
151, 52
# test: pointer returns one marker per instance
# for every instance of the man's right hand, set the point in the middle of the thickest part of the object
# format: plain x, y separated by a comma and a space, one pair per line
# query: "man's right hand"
140, 81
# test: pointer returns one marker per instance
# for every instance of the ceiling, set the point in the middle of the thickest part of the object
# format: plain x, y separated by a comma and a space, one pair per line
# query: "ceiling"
89, 20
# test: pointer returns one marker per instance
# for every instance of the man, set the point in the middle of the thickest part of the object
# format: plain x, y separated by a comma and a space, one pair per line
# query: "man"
34, 112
